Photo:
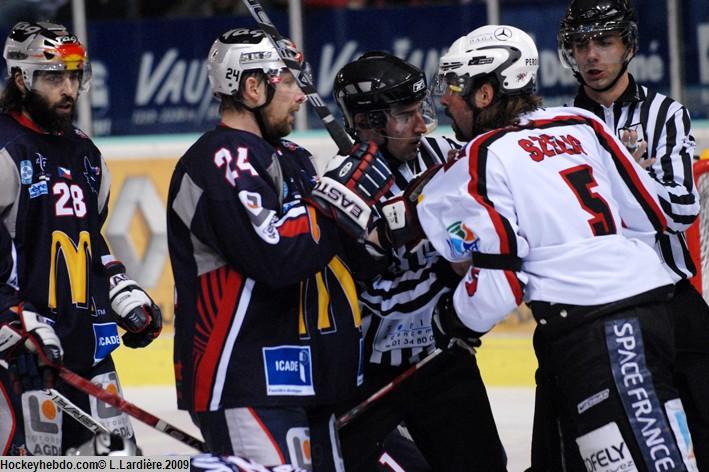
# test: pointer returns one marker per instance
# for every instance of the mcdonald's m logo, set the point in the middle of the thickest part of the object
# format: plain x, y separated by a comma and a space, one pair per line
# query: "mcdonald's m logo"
77, 260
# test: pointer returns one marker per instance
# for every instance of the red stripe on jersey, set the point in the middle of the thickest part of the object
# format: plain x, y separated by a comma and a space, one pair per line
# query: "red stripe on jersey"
206, 300
206, 367
478, 190
267, 432
295, 227
13, 420
610, 143
515, 286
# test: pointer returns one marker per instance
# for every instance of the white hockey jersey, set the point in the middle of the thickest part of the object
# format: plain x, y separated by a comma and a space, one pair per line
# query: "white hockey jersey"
558, 191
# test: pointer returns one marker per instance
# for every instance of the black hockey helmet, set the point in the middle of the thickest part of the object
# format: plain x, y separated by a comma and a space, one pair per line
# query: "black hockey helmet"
591, 18
376, 82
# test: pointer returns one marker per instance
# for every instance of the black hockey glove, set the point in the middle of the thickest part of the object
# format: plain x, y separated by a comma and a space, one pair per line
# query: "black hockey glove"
30, 350
402, 227
132, 308
448, 331
350, 186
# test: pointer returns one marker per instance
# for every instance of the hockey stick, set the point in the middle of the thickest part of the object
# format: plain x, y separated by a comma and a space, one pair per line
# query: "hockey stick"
77, 413
337, 132
349, 416
71, 409
125, 406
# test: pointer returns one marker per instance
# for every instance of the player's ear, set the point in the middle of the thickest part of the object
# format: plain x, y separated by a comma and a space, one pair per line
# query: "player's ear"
253, 91
19, 81
484, 95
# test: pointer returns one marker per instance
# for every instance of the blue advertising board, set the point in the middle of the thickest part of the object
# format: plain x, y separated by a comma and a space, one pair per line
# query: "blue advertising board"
149, 75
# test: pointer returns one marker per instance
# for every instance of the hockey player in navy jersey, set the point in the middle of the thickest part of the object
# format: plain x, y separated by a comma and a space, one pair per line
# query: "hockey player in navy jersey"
545, 205
62, 293
445, 406
267, 323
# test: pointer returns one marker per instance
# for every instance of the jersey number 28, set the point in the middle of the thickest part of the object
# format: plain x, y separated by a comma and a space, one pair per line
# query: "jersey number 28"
70, 201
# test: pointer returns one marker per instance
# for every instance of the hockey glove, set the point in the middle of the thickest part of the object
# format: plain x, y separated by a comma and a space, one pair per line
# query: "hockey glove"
350, 186
448, 331
133, 309
402, 226
31, 351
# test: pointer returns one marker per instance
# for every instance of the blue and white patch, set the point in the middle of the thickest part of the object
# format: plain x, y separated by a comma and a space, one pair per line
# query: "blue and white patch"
38, 189
288, 370
633, 381
680, 428
107, 339
26, 172
461, 239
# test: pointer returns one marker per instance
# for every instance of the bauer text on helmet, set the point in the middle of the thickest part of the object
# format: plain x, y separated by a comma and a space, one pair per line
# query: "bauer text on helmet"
43, 46
505, 52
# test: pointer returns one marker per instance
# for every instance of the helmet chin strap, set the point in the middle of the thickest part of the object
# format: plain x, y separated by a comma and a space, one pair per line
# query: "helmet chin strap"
258, 114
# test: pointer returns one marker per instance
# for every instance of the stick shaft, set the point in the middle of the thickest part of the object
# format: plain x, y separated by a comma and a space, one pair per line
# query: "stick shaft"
86, 420
131, 409
337, 132
349, 416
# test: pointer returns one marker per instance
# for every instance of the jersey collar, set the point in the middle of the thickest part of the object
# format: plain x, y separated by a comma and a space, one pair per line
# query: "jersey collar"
630, 95
28, 123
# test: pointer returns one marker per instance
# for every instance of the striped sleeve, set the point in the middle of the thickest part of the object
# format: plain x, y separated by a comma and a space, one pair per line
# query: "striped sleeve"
411, 282
634, 181
673, 147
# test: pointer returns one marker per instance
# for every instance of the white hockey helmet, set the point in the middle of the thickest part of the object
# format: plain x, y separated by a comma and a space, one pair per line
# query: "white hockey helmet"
506, 52
43, 46
240, 50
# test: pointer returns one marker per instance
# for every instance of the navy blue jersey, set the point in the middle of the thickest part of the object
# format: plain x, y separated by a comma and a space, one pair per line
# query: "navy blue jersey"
266, 310
53, 201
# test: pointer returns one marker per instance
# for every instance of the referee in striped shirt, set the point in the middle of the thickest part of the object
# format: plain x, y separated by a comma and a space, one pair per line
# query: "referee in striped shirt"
597, 40
445, 404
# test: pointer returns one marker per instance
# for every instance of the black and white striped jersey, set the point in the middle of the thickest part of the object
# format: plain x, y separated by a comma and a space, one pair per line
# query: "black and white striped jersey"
398, 303
666, 125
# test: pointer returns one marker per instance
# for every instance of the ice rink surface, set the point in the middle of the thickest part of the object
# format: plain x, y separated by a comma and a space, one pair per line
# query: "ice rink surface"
512, 406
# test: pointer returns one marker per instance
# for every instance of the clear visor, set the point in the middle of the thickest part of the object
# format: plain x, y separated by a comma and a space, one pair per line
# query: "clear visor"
602, 40
79, 71
407, 121
450, 83
275, 75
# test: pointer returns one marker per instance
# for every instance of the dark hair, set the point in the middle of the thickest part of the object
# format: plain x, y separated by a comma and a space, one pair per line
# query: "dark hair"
505, 109
11, 99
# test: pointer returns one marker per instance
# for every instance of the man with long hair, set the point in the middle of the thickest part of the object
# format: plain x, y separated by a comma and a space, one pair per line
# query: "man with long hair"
62, 293
545, 206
